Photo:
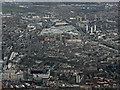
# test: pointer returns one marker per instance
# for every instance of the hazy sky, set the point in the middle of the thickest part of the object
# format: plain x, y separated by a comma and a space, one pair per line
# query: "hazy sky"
62, 0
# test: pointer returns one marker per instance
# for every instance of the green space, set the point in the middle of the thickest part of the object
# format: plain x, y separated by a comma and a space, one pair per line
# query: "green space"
28, 63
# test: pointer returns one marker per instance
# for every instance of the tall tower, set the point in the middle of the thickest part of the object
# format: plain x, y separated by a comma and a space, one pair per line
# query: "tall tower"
79, 36
85, 17
95, 17
91, 29
78, 79
86, 28
95, 28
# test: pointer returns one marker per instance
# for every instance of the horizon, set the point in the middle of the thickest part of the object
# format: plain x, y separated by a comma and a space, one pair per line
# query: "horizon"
60, 1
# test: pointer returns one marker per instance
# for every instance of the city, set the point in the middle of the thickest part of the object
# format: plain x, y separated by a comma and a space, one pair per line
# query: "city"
60, 45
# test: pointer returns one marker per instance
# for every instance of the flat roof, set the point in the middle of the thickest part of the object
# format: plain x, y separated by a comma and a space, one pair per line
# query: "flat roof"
60, 29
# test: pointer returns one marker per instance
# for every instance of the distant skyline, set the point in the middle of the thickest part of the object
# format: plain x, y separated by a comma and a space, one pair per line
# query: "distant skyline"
60, 0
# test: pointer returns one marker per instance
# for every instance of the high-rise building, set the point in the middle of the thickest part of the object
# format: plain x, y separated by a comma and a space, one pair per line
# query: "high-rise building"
79, 36
95, 28
78, 79
95, 17
91, 29
79, 18
85, 17
86, 28
71, 36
